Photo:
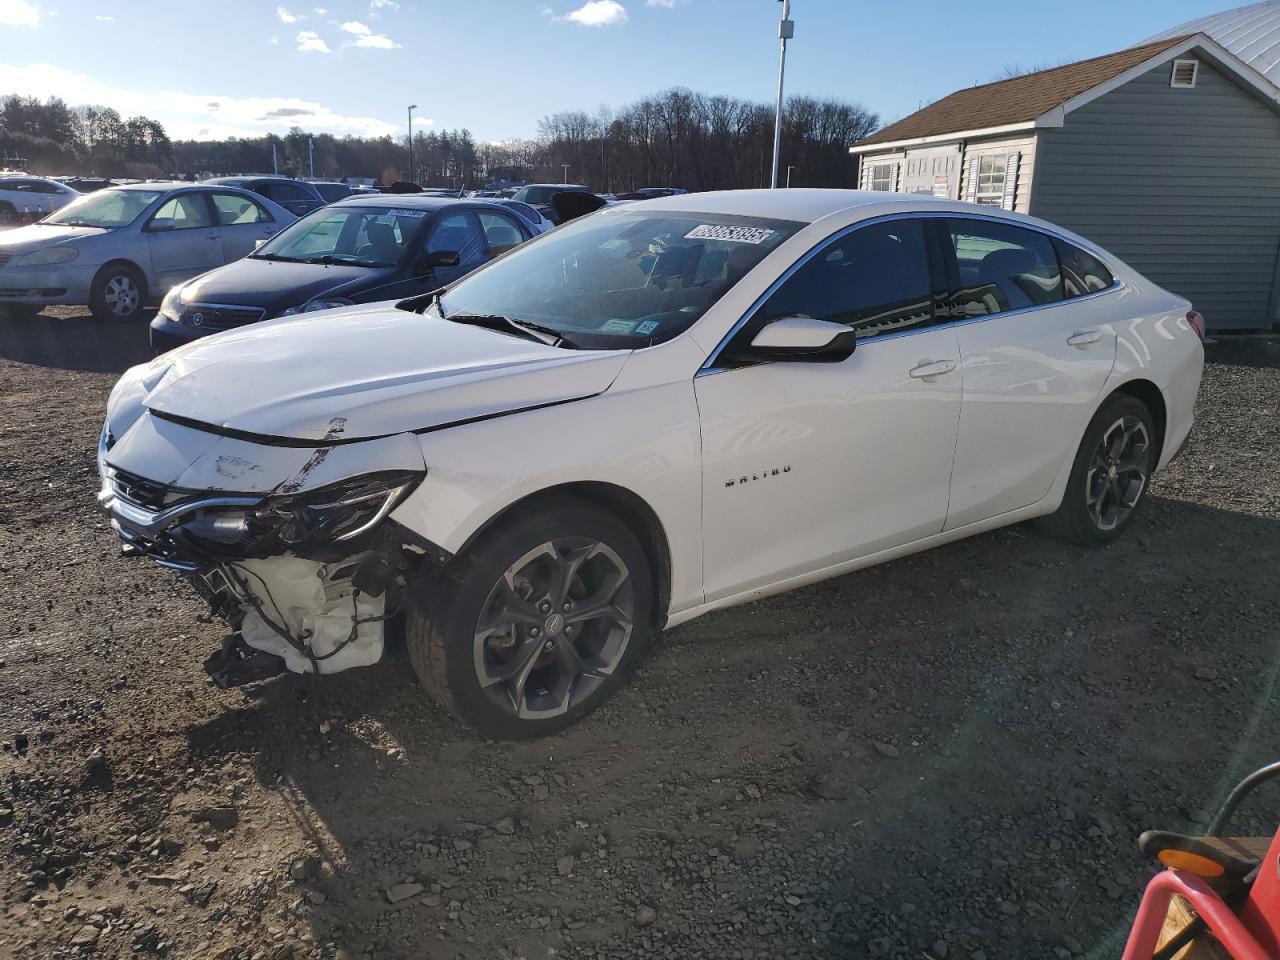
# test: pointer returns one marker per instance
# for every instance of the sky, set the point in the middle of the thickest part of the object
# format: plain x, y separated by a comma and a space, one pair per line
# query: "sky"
235, 67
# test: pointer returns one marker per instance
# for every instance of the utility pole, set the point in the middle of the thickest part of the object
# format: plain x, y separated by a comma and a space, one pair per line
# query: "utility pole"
275, 159
412, 107
790, 167
311, 156
566, 173
786, 30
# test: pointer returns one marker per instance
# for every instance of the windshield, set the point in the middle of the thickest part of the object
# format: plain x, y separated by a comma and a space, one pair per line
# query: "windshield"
105, 208
348, 233
621, 279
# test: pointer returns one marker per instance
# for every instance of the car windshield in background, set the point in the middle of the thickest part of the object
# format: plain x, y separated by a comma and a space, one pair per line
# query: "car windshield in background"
105, 208
363, 236
620, 280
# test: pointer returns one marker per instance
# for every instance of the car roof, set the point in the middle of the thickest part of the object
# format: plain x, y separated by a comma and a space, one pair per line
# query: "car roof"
562, 186
801, 204
410, 201
155, 185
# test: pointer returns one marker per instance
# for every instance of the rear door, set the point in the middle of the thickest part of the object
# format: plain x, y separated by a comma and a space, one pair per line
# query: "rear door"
183, 239
1034, 364
243, 222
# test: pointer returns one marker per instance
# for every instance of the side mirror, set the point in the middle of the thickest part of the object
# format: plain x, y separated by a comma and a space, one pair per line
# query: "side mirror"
441, 258
802, 339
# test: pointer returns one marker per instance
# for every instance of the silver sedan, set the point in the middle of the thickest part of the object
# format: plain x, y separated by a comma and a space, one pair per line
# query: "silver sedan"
119, 249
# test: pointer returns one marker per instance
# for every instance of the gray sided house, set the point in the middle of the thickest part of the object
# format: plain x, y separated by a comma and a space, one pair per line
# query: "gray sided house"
1167, 154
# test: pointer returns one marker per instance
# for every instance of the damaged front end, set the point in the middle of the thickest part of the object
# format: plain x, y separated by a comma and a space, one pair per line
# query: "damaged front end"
306, 571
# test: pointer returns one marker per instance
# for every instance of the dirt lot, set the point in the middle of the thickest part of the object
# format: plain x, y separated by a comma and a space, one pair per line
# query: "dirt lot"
946, 756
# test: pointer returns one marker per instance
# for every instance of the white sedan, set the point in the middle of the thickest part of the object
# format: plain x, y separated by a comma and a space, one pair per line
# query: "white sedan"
24, 198
660, 410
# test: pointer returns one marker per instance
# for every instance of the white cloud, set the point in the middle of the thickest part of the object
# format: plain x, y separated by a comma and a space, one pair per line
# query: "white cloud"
18, 13
383, 4
275, 41
377, 41
356, 27
598, 13
320, 11
101, 19
287, 17
660, 3
310, 42
192, 115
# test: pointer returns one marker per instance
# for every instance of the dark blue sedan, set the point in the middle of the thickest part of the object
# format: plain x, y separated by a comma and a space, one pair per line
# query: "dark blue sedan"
359, 250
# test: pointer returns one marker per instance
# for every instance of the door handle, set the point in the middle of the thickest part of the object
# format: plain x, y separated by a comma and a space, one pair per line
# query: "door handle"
1082, 338
932, 368
211, 236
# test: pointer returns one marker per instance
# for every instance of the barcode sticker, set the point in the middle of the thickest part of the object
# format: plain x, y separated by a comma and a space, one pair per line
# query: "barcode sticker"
417, 214
732, 234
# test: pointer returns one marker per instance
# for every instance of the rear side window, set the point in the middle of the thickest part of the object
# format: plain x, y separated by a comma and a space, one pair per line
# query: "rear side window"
1002, 267
234, 210
875, 279
1082, 272
282, 191
459, 233
500, 232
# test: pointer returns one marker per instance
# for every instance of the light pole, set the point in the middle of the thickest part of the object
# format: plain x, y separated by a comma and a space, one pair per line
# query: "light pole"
566, 173
790, 167
412, 107
786, 30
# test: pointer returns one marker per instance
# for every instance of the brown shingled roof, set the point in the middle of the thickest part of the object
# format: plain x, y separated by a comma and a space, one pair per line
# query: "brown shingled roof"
1017, 100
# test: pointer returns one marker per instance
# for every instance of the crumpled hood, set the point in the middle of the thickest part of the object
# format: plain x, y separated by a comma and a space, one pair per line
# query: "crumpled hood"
362, 372
34, 237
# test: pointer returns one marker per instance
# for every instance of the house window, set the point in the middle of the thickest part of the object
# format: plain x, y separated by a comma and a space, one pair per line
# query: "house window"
1184, 73
991, 171
883, 176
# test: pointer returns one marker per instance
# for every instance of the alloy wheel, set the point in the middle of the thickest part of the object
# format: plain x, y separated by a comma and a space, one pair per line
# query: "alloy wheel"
554, 627
1118, 472
121, 295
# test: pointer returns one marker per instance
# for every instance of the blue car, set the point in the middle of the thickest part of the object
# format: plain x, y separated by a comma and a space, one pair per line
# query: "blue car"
360, 250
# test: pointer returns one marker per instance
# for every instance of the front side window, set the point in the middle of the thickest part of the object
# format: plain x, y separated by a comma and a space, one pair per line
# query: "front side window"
1002, 267
348, 233
186, 211
991, 173
875, 279
459, 233
234, 210
1082, 272
621, 278
105, 208
883, 176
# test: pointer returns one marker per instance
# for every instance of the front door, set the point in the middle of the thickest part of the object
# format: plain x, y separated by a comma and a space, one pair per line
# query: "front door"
1033, 369
183, 240
806, 465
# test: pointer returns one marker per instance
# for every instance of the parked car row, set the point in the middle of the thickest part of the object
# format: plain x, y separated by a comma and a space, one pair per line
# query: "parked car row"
22, 197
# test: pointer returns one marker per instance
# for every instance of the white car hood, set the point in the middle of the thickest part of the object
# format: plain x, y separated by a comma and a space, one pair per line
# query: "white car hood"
34, 236
342, 375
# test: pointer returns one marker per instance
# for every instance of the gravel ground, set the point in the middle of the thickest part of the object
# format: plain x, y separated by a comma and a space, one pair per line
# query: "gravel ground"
945, 756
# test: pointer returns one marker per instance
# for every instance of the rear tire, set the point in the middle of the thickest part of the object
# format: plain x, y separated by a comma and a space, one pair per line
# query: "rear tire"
537, 625
119, 293
1109, 477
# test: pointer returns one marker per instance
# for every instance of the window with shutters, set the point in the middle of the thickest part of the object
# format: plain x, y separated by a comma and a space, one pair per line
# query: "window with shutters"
991, 174
884, 176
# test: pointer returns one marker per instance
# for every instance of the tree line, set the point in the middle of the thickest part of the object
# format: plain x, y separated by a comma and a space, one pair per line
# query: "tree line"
677, 137
55, 138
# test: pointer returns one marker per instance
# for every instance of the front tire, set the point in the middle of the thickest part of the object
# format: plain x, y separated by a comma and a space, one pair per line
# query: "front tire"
1109, 477
119, 293
537, 625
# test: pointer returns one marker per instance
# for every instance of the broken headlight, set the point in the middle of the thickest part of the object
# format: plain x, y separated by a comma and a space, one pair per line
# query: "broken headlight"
340, 511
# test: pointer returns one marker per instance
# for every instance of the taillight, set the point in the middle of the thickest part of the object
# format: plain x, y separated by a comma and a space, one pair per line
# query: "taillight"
1196, 319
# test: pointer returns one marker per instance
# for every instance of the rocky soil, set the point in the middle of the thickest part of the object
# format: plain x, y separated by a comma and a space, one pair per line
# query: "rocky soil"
949, 756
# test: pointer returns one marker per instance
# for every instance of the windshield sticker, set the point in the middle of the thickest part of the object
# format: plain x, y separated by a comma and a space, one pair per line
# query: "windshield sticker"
617, 327
708, 231
647, 326
417, 214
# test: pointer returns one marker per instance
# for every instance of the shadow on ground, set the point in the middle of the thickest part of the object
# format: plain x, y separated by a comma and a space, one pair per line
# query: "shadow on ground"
64, 339
991, 724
